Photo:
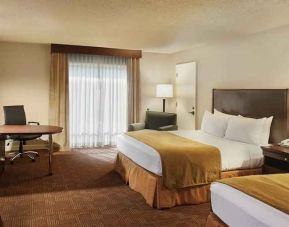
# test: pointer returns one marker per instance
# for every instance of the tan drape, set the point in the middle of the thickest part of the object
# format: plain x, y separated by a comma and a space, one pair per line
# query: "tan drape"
58, 97
133, 90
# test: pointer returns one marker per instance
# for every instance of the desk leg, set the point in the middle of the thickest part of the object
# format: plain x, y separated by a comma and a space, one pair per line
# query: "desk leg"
50, 150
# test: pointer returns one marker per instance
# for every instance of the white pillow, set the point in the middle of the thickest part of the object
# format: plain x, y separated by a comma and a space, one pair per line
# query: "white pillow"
265, 131
246, 130
214, 125
221, 114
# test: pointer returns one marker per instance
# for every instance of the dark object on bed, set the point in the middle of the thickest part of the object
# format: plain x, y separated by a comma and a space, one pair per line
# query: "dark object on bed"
157, 121
257, 103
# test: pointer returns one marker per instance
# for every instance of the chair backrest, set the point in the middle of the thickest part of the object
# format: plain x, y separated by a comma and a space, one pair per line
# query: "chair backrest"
155, 119
14, 115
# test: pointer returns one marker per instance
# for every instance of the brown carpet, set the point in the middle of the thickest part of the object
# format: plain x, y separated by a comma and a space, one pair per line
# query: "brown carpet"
84, 191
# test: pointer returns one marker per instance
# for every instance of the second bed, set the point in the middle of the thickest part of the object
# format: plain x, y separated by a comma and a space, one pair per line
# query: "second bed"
137, 160
140, 165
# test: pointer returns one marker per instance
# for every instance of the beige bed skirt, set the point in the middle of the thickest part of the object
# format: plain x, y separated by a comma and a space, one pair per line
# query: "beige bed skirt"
156, 195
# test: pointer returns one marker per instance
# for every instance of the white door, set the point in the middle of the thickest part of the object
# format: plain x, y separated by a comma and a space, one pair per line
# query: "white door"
186, 95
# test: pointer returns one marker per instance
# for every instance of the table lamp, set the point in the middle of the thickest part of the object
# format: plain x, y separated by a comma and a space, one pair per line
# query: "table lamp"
164, 91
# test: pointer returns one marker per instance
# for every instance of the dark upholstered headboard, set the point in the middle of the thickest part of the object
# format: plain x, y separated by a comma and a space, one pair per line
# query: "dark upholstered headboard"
257, 103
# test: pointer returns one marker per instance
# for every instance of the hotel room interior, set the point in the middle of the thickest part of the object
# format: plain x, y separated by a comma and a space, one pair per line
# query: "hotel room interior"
144, 113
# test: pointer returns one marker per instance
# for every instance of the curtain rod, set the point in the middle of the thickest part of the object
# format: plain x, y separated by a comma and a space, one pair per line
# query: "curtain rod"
61, 48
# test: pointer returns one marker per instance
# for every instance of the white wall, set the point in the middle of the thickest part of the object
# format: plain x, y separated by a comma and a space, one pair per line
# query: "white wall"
155, 69
256, 61
24, 79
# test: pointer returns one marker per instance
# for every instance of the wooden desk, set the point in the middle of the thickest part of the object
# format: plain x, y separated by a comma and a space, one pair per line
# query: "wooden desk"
33, 129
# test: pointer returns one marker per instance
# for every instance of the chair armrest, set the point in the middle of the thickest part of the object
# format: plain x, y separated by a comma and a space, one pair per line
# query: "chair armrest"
168, 128
136, 126
33, 122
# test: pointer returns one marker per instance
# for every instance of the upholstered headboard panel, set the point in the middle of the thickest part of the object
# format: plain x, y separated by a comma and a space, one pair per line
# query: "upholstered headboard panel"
257, 103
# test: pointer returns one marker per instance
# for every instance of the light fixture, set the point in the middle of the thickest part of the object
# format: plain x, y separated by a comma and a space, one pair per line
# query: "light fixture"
164, 91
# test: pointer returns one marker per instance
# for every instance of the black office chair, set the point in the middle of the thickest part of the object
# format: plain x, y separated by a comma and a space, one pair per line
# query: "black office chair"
15, 115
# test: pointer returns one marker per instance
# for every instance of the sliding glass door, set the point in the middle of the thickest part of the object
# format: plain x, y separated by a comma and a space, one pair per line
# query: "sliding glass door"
97, 99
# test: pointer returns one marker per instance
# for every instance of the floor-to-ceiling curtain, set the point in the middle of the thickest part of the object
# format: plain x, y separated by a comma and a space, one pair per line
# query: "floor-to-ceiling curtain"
98, 99
133, 90
58, 97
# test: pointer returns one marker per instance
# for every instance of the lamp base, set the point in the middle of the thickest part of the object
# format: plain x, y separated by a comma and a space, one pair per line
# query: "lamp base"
164, 105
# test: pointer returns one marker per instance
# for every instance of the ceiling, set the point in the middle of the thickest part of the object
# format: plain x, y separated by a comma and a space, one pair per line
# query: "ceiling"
150, 25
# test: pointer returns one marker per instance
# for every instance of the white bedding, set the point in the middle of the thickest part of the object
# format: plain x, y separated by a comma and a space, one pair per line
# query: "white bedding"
234, 155
238, 209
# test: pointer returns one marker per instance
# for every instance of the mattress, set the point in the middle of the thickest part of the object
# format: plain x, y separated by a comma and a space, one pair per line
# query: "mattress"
238, 209
234, 155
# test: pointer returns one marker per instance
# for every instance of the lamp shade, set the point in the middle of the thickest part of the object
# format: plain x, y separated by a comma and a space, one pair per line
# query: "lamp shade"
164, 91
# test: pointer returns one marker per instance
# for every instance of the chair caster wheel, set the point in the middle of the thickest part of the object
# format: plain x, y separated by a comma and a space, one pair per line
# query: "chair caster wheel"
37, 155
11, 162
33, 160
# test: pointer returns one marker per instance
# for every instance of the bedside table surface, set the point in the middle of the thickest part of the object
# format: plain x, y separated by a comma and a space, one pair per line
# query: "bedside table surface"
276, 148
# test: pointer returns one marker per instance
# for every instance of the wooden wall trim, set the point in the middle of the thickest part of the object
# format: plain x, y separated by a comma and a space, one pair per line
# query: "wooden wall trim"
60, 48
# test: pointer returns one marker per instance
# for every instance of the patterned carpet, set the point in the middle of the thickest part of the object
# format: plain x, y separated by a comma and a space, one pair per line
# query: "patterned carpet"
84, 191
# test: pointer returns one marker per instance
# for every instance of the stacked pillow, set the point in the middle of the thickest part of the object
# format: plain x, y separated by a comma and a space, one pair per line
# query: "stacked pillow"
238, 128
214, 125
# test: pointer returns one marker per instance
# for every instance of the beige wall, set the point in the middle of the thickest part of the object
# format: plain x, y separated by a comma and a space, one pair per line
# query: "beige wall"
24, 78
155, 69
256, 61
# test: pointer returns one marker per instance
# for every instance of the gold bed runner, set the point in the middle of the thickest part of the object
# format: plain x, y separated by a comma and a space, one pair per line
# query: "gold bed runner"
271, 189
185, 162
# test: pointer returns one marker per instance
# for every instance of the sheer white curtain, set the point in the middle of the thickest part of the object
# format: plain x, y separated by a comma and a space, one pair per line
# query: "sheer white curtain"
97, 99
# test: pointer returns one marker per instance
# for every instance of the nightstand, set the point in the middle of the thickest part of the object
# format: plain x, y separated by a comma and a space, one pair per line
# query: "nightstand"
276, 159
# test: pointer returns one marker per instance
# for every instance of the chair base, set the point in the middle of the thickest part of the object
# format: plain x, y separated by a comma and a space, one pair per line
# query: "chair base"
30, 154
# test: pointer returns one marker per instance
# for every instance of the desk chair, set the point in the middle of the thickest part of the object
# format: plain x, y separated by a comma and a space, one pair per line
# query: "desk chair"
15, 115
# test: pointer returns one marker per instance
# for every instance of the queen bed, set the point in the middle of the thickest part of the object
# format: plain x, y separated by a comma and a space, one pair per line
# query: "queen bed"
141, 166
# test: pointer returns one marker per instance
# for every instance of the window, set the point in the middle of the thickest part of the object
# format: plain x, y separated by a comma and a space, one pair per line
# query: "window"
97, 99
